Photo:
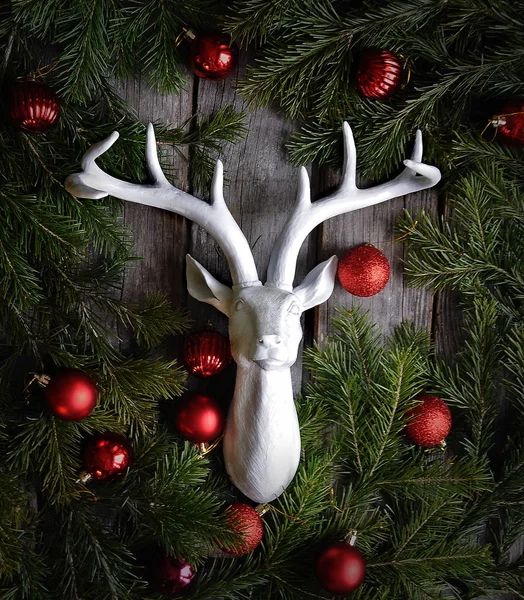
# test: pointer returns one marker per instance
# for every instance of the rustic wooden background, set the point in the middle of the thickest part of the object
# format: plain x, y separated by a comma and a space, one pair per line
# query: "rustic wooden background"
260, 193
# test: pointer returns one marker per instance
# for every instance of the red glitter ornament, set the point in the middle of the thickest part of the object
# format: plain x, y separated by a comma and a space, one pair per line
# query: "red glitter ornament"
33, 106
71, 394
428, 423
340, 568
212, 55
106, 456
246, 521
509, 123
199, 418
379, 74
172, 575
364, 271
206, 353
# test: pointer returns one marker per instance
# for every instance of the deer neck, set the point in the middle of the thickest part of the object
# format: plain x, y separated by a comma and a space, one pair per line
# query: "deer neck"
262, 437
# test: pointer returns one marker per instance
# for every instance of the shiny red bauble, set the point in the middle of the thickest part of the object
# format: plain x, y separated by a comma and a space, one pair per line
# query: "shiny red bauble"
71, 394
380, 73
510, 123
33, 106
206, 353
172, 575
212, 55
340, 568
364, 271
106, 456
429, 423
199, 418
245, 520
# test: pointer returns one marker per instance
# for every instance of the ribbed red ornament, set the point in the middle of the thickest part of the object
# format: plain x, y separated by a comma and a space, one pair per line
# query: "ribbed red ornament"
33, 106
364, 271
379, 74
199, 418
212, 55
244, 520
106, 456
172, 575
71, 394
510, 123
206, 353
340, 568
429, 423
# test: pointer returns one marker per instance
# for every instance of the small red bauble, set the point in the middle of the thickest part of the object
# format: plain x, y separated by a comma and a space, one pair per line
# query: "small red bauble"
206, 353
199, 418
340, 568
428, 423
364, 271
33, 106
106, 456
172, 575
510, 123
71, 394
212, 56
245, 520
379, 74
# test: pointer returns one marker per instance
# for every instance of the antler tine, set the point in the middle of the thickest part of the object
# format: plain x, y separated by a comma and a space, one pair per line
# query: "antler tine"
153, 163
306, 216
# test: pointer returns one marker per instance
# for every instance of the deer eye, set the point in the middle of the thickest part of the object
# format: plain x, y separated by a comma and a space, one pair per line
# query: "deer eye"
239, 304
294, 309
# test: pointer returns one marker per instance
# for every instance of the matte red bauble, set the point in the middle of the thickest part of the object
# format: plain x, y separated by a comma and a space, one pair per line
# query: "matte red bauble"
428, 423
33, 106
71, 394
172, 575
340, 568
199, 418
212, 56
206, 353
510, 123
364, 271
245, 520
380, 73
106, 456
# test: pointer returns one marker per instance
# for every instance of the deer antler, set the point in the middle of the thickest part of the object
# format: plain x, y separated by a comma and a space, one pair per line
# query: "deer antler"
306, 215
215, 218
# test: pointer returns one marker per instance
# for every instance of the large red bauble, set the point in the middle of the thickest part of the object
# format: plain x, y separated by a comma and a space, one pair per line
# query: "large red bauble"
379, 74
245, 520
199, 418
172, 575
340, 568
212, 56
510, 123
206, 353
429, 422
71, 394
33, 106
364, 271
106, 456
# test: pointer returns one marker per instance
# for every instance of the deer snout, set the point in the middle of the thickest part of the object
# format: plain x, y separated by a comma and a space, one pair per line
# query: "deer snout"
269, 341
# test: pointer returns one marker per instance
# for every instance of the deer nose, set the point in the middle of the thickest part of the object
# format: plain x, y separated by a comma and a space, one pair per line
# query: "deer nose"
269, 341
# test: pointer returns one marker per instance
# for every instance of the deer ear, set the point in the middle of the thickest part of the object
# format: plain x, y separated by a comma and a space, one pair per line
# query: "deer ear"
204, 287
318, 285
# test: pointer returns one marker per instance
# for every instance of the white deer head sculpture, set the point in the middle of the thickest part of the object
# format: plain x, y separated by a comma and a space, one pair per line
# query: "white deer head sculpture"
262, 437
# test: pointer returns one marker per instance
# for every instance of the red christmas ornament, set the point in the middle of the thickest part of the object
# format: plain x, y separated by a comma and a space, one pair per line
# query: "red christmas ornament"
206, 353
379, 74
212, 55
340, 568
33, 106
509, 123
364, 271
172, 575
245, 520
71, 394
106, 456
199, 418
429, 422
